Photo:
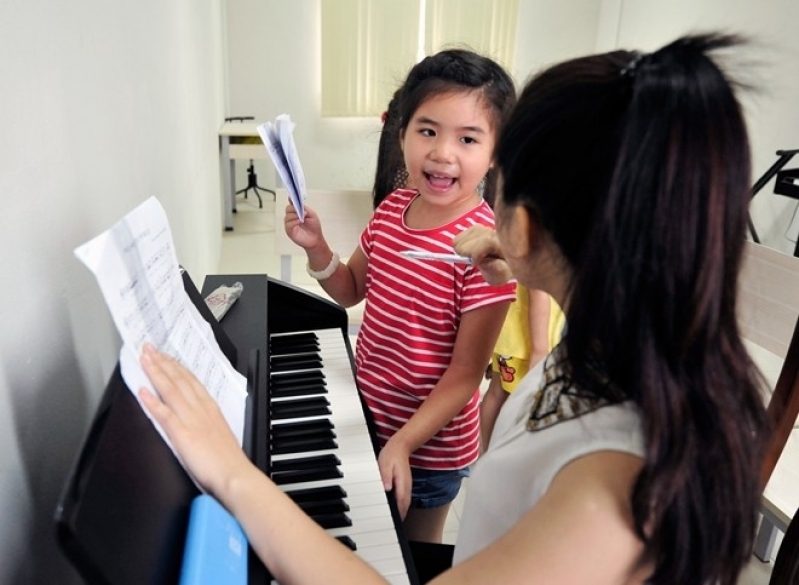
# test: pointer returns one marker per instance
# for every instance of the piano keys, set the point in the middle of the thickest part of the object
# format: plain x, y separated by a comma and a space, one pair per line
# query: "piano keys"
123, 514
306, 382
315, 366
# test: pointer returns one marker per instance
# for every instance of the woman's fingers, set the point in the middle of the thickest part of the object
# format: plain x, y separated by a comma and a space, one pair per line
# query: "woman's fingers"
181, 393
477, 242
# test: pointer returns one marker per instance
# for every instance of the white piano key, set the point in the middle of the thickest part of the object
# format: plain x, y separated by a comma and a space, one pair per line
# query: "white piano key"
372, 529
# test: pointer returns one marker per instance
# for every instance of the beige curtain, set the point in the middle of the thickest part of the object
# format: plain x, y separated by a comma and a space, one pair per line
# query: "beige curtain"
368, 46
485, 26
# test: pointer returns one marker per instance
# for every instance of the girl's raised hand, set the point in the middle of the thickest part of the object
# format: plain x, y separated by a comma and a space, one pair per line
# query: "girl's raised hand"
307, 234
192, 421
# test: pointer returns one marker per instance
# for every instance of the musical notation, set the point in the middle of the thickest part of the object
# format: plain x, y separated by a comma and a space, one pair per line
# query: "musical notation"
136, 266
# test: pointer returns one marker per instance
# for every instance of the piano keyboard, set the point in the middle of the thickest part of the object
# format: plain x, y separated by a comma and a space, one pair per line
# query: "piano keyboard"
321, 451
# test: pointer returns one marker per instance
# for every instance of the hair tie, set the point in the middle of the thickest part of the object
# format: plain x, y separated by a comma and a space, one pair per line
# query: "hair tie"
384, 117
629, 69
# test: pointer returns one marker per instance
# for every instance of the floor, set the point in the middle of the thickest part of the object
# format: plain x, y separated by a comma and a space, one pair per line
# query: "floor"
249, 249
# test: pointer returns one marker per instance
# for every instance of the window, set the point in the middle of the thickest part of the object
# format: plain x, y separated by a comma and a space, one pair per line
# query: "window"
369, 45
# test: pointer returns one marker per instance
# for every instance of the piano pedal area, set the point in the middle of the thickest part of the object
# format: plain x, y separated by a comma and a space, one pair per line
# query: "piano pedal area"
320, 448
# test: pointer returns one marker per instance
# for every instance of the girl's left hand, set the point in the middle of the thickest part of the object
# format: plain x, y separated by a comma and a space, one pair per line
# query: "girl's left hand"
395, 471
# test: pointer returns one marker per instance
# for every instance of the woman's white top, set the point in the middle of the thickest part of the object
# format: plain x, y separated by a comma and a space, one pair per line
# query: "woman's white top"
542, 426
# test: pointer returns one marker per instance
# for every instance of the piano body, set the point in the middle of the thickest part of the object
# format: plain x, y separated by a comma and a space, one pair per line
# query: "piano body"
123, 514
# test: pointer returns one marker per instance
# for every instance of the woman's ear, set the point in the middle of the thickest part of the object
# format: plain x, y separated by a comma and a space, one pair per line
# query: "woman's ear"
522, 232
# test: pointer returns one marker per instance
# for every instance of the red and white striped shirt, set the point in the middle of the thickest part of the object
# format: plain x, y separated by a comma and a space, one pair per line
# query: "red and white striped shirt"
410, 322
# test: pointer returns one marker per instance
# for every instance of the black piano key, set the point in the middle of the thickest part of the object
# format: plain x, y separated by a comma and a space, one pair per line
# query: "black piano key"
324, 507
303, 446
303, 475
298, 389
279, 378
303, 428
303, 407
302, 362
296, 378
306, 462
348, 542
303, 347
322, 432
293, 339
315, 494
328, 521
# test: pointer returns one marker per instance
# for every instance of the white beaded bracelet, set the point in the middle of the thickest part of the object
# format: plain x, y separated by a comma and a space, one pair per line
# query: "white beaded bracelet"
327, 272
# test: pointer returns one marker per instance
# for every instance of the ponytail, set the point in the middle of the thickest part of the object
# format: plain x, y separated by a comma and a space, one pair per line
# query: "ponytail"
638, 166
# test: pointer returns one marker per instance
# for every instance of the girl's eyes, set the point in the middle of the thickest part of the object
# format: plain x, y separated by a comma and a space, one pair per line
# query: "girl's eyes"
429, 133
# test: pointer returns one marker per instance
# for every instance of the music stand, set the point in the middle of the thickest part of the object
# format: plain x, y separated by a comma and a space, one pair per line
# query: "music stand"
252, 178
787, 184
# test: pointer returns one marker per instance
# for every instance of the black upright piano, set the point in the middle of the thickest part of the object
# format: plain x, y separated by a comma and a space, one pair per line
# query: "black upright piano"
123, 513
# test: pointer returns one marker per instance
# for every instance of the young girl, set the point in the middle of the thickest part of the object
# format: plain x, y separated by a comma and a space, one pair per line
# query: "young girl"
632, 453
428, 325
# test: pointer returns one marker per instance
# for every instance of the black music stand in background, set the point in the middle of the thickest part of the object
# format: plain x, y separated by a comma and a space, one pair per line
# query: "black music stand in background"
787, 184
252, 178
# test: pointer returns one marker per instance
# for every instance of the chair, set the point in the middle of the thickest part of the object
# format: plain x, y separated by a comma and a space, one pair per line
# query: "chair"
252, 178
786, 566
345, 213
769, 319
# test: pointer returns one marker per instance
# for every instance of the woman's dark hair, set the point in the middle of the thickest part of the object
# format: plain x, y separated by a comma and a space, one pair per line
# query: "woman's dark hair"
638, 167
452, 70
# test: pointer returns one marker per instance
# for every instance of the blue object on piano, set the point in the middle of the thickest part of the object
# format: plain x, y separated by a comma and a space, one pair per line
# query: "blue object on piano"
216, 547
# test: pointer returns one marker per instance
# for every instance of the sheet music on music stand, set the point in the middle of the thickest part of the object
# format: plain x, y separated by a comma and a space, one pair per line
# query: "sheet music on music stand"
136, 267
278, 138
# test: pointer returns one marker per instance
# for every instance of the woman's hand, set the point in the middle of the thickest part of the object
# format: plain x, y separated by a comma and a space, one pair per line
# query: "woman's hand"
192, 421
395, 471
307, 234
482, 246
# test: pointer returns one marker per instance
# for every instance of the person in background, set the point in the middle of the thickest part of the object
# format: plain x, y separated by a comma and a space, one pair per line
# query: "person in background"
532, 328
390, 171
427, 324
631, 454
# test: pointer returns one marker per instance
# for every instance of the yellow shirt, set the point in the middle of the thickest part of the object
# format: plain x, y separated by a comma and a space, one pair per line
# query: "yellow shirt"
511, 358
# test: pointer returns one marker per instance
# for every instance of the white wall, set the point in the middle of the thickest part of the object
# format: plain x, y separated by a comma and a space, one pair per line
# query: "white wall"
771, 64
103, 105
274, 68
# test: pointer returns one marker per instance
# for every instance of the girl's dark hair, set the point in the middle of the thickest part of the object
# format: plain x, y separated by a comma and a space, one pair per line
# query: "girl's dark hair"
638, 167
452, 70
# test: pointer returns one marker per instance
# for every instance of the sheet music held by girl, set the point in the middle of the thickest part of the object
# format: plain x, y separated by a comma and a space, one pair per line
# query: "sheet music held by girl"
137, 269
278, 138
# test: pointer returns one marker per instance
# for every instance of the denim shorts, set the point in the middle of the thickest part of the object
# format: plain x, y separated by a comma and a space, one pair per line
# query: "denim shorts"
435, 487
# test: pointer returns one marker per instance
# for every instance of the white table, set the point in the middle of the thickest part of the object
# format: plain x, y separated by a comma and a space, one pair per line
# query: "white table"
234, 144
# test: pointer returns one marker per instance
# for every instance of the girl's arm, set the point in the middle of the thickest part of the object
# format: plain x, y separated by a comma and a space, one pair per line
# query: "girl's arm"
474, 343
538, 315
490, 405
279, 532
347, 284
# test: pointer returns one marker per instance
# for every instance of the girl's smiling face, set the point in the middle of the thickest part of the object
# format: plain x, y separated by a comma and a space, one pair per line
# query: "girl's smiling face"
447, 146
